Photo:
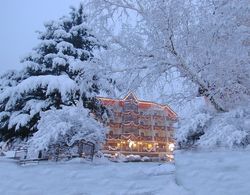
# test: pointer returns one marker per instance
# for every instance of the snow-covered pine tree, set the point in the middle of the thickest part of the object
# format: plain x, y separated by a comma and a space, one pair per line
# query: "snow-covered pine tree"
60, 71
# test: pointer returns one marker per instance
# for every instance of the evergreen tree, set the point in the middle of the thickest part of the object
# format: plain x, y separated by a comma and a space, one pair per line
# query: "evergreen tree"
61, 71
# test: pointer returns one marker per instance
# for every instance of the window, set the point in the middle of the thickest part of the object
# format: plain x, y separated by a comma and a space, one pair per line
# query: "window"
130, 106
127, 118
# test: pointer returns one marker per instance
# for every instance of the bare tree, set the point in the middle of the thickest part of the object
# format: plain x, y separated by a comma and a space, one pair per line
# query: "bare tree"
207, 42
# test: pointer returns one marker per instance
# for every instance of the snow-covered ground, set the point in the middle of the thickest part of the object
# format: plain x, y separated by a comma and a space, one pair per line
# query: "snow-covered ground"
76, 178
194, 173
219, 172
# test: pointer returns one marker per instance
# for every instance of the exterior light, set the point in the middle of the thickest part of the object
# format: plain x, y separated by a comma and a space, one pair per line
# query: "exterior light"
130, 143
171, 147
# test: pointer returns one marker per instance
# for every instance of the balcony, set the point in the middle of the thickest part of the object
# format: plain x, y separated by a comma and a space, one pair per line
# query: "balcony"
136, 138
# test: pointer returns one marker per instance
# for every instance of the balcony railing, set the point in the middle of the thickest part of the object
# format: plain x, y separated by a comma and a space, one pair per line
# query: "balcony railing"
114, 124
136, 138
142, 116
137, 149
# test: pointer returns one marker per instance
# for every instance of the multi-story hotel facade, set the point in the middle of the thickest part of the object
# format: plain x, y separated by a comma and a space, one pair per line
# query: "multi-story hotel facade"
139, 127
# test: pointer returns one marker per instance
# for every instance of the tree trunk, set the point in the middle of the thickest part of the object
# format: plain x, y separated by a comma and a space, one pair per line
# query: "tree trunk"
201, 83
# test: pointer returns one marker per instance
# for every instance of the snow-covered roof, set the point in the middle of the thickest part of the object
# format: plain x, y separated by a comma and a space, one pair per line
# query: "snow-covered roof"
141, 104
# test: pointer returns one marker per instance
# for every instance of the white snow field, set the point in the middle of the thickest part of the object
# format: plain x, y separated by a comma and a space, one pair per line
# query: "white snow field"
214, 172
194, 173
74, 178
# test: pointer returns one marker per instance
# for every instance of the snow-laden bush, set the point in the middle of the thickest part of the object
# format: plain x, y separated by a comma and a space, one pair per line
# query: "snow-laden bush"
133, 158
145, 159
193, 120
228, 129
201, 126
65, 126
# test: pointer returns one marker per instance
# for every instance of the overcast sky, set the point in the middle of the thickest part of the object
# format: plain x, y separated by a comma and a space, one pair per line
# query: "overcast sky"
19, 19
